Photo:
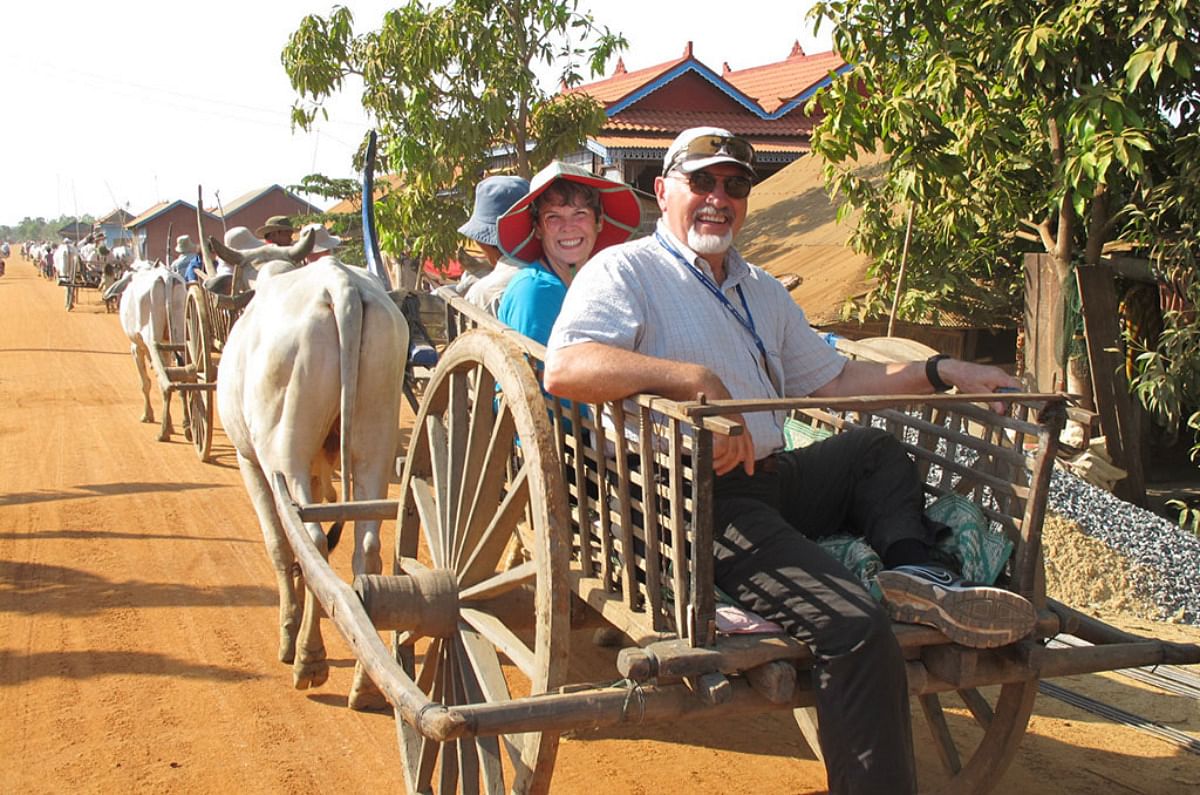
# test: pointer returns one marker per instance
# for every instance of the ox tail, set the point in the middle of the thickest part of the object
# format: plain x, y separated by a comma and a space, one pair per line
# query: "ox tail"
348, 315
160, 298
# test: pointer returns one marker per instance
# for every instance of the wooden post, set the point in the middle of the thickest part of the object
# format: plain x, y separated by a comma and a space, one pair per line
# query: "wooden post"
1098, 294
1044, 342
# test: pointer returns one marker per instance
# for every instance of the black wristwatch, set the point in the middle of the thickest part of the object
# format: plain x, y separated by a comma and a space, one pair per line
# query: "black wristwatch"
931, 372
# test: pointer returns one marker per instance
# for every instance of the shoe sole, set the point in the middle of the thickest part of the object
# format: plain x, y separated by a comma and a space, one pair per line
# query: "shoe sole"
979, 618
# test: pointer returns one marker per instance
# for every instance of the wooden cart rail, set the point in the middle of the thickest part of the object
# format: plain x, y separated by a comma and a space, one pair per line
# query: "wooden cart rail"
497, 479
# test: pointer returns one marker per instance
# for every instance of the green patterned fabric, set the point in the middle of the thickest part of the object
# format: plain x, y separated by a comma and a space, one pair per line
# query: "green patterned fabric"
797, 434
981, 551
978, 552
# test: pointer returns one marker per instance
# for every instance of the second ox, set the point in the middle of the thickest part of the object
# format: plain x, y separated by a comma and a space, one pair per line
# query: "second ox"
151, 312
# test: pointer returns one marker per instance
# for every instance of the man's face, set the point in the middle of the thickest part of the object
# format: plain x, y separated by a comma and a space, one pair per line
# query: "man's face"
568, 232
280, 237
707, 222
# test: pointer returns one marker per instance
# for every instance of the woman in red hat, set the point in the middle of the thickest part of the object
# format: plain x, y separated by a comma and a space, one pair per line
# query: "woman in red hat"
568, 215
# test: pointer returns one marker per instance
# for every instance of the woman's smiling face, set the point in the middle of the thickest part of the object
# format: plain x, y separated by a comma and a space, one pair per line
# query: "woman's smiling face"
568, 232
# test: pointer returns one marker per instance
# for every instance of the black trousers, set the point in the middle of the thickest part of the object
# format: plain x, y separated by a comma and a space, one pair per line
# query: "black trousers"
861, 482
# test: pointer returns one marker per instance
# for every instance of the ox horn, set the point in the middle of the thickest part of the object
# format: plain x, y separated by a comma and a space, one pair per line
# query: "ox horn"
302, 247
230, 255
268, 253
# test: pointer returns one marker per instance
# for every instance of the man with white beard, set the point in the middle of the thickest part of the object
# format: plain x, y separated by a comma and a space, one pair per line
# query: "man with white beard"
680, 313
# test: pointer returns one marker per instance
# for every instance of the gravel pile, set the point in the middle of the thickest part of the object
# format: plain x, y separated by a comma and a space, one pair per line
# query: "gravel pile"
1164, 560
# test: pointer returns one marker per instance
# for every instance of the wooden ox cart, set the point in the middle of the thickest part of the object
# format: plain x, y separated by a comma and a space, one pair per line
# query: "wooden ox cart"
212, 307
208, 318
77, 278
521, 517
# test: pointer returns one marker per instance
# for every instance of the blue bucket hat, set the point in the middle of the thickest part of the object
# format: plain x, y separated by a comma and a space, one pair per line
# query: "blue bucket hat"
493, 197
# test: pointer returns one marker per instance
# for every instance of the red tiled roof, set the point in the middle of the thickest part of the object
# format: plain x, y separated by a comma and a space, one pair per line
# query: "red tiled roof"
662, 142
612, 89
672, 121
773, 84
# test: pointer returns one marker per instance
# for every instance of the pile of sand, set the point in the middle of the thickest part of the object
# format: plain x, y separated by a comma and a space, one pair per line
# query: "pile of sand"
1089, 575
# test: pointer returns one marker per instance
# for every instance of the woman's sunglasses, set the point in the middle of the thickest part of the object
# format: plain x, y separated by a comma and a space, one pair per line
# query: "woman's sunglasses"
702, 183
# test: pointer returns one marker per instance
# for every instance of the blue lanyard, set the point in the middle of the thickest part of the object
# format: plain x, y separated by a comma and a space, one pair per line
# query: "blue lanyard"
747, 322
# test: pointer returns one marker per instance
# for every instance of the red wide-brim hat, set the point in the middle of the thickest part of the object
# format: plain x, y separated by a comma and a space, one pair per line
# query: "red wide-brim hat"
620, 212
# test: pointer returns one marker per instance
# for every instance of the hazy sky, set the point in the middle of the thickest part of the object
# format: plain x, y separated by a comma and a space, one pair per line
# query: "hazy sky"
130, 102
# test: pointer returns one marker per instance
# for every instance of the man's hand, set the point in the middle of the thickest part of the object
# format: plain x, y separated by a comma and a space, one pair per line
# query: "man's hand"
729, 451
978, 378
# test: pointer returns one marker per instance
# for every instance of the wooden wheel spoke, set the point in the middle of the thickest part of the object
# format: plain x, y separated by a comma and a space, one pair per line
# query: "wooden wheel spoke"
502, 638
459, 417
448, 773
466, 759
942, 741
978, 705
485, 665
427, 750
435, 431
502, 583
485, 760
411, 566
488, 480
430, 666
476, 446
483, 560
427, 511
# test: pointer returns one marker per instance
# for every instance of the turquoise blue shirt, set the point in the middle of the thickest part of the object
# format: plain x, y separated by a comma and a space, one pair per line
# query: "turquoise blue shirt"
530, 305
532, 301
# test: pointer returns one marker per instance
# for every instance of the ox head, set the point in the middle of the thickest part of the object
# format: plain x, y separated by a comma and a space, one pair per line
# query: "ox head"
294, 253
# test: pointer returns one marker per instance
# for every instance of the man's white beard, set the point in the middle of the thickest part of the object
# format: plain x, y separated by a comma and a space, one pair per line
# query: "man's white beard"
709, 244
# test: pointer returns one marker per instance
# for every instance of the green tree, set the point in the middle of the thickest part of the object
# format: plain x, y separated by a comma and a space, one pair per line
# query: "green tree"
449, 85
1007, 124
1000, 117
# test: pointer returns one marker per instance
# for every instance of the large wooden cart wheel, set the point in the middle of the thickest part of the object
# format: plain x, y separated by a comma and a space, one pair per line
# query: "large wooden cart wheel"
484, 497
975, 734
197, 352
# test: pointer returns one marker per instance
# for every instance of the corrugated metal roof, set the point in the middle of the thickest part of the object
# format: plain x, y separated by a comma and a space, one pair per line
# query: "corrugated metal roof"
117, 216
154, 210
791, 227
248, 198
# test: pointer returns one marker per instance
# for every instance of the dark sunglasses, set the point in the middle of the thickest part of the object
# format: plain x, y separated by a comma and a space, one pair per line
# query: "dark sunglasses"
702, 183
709, 145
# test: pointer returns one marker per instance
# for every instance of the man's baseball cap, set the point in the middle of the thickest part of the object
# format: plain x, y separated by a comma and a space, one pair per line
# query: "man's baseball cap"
700, 147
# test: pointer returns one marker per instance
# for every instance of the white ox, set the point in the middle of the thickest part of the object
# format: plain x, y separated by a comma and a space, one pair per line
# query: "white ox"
314, 365
66, 260
151, 311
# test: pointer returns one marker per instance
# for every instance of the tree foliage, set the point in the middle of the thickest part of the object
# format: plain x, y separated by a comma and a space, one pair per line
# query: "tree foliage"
449, 85
41, 229
1048, 119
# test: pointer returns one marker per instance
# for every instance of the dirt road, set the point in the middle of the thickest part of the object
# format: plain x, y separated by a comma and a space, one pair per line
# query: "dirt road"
138, 626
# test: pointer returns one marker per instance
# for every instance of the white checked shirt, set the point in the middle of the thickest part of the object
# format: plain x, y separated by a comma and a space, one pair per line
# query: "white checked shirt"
640, 297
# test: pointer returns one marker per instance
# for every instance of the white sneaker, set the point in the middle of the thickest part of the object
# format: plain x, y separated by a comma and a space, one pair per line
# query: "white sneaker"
979, 616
